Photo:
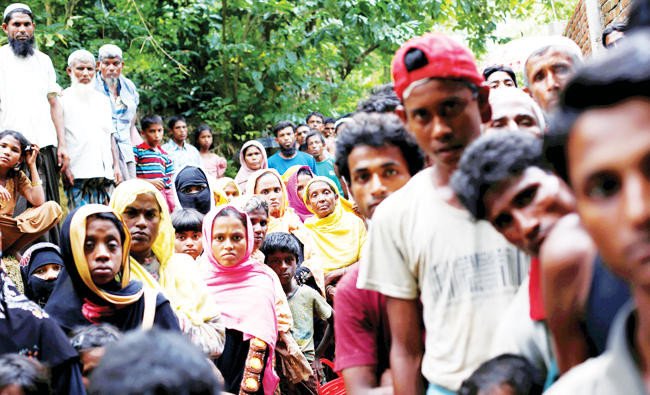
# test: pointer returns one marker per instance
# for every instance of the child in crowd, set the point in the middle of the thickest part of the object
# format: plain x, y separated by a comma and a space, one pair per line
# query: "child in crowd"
187, 224
30, 224
152, 163
20, 374
178, 149
90, 342
505, 374
214, 164
281, 251
324, 161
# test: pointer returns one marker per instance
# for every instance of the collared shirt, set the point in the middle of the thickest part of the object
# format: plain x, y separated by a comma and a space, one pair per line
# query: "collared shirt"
123, 108
153, 163
187, 155
24, 86
615, 371
88, 130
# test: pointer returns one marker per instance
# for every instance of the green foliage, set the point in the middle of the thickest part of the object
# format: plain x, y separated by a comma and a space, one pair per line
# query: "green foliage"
242, 65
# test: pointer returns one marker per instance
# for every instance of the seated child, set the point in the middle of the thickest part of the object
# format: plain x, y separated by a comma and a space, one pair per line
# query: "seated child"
504, 374
281, 251
152, 163
90, 342
20, 374
32, 223
187, 224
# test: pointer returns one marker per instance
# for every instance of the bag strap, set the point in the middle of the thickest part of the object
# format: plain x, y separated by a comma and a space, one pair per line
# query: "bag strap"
150, 296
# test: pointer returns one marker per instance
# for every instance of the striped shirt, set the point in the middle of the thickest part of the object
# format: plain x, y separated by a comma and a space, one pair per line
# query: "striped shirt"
153, 163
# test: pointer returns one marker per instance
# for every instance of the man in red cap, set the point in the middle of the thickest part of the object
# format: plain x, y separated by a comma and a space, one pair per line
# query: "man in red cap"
423, 245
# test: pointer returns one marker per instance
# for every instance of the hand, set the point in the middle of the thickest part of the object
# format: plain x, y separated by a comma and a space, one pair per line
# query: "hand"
158, 183
5, 196
118, 176
330, 292
63, 159
31, 155
334, 276
68, 178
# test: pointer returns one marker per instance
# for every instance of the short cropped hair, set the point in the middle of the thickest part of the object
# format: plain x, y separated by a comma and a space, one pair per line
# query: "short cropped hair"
256, 202
280, 241
488, 71
282, 125
312, 133
329, 120
605, 81
94, 336
154, 362
382, 99
315, 114
377, 130
187, 220
512, 370
81, 55
172, 121
614, 27
560, 44
26, 373
490, 160
150, 120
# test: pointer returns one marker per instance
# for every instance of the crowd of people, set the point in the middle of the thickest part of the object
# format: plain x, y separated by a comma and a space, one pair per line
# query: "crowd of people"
455, 234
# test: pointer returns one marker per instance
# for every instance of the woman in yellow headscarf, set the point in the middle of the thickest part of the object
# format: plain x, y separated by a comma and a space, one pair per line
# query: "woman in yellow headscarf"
229, 187
154, 262
337, 232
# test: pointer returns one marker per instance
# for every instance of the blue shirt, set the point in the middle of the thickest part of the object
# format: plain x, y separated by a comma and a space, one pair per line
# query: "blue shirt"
281, 164
326, 169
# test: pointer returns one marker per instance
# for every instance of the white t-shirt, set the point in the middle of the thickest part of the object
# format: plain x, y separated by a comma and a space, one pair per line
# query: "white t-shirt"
24, 86
464, 272
88, 128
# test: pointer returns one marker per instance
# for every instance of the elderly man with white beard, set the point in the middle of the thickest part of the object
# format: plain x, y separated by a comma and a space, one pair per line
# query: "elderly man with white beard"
94, 168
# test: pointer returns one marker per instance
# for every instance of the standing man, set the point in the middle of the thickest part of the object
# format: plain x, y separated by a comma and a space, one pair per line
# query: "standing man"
424, 247
29, 96
288, 155
324, 161
179, 150
124, 100
94, 166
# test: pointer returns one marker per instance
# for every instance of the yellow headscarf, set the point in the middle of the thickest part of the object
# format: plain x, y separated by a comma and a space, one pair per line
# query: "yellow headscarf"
338, 237
180, 281
221, 184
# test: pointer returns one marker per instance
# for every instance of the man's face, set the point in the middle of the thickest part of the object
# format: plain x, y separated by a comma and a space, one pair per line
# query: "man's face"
82, 72
547, 75
511, 113
110, 67
525, 209
329, 130
20, 27
609, 167
259, 219
301, 132
179, 132
445, 117
316, 122
375, 173
500, 79
286, 138
315, 146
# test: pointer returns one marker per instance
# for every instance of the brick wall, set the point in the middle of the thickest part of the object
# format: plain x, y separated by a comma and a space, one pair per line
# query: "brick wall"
577, 27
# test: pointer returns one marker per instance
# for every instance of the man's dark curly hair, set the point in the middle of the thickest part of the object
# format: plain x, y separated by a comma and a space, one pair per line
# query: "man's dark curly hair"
376, 130
382, 99
490, 160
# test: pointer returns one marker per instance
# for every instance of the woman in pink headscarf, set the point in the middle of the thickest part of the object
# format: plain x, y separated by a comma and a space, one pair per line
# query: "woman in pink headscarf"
252, 158
245, 293
296, 178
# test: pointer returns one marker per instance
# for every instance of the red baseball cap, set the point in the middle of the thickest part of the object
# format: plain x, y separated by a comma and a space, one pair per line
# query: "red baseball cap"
445, 58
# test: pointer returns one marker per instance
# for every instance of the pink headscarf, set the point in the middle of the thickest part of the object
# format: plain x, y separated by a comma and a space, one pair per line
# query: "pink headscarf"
290, 179
244, 171
244, 294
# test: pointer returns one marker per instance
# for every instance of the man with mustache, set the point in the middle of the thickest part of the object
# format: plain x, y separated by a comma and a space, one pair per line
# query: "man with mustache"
124, 99
288, 155
94, 166
29, 97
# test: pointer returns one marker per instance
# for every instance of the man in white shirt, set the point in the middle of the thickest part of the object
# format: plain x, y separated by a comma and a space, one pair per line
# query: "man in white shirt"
29, 96
423, 246
94, 166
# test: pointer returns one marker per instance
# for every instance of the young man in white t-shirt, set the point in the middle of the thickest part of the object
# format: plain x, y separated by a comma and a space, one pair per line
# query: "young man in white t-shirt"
423, 246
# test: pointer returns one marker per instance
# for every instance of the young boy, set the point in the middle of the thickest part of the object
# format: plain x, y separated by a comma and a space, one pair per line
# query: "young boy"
151, 161
181, 152
281, 251
324, 161
187, 224
90, 342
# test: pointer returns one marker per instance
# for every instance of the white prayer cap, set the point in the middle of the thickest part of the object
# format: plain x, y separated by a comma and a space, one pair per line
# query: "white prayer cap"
109, 51
15, 6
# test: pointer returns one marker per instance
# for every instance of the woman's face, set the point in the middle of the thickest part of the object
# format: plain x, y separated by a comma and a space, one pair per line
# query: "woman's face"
228, 240
253, 158
268, 186
322, 198
231, 191
47, 272
10, 152
303, 180
142, 217
103, 250
205, 139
